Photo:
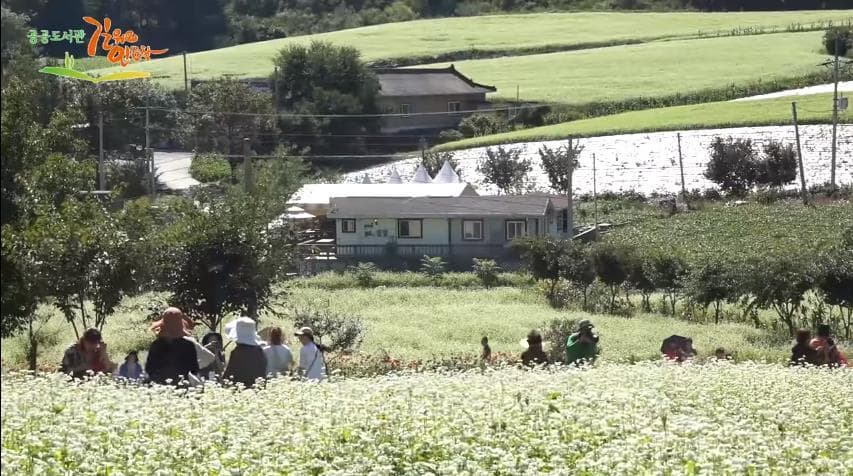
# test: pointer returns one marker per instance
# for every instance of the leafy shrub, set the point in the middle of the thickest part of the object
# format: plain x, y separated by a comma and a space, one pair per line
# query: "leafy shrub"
450, 135
487, 270
477, 125
780, 283
712, 284
779, 165
433, 267
835, 284
130, 176
338, 332
557, 333
733, 165
210, 167
667, 272
844, 34
364, 274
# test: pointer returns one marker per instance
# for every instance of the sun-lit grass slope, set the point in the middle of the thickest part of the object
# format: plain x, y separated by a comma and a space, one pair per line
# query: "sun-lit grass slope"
654, 69
499, 32
812, 109
720, 419
751, 230
424, 322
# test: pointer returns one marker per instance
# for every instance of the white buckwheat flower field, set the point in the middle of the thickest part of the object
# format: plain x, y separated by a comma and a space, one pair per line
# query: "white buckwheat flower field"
649, 418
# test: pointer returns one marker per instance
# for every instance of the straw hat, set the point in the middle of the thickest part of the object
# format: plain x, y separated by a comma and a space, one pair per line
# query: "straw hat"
243, 331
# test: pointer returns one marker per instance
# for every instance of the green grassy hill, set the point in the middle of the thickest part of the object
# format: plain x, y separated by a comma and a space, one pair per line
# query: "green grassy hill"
505, 33
813, 109
653, 69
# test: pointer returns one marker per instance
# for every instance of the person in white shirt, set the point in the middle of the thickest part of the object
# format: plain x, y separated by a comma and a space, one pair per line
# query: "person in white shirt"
279, 357
312, 362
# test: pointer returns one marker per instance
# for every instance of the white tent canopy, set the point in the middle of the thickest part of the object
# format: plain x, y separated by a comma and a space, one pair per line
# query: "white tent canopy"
421, 176
446, 174
366, 179
394, 177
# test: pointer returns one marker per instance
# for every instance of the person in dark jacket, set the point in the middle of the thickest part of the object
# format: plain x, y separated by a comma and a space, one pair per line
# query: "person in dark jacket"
802, 353
534, 355
171, 359
247, 362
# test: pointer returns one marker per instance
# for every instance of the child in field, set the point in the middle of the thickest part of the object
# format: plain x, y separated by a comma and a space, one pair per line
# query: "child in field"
486, 355
131, 368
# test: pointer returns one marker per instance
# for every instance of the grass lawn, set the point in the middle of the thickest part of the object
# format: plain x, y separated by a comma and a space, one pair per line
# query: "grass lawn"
655, 69
419, 323
812, 109
743, 231
499, 32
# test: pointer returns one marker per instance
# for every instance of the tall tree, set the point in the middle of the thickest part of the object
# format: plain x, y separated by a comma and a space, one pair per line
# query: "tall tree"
505, 169
324, 79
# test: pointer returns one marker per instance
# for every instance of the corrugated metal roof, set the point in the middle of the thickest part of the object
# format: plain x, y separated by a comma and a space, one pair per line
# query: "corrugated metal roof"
321, 193
427, 82
440, 207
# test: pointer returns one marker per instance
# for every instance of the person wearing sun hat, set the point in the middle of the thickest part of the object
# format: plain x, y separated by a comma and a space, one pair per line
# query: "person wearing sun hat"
247, 362
582, 346
312, 362
172, 358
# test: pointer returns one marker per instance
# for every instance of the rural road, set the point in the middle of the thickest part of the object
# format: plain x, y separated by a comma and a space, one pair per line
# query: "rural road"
173, 170
843, 87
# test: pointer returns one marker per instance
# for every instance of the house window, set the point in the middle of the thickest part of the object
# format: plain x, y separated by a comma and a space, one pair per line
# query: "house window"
348, 225
472, 229
388, 109
409, 228
515, 229
405, 109
454, 106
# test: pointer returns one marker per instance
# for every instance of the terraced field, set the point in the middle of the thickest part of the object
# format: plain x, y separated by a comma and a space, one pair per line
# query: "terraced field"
429, 40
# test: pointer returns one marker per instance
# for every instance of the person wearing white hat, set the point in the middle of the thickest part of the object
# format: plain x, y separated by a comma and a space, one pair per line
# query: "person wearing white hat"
247, 362
312, 362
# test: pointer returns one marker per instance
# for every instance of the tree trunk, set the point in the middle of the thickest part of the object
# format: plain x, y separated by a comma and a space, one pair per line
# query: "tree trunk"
32, 354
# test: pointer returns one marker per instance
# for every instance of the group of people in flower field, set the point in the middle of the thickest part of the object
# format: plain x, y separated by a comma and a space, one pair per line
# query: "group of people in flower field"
582, 348
175, 357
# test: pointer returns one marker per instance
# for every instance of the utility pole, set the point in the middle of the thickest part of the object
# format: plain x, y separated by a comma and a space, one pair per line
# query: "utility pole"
102, 176
570, 219
799, 154
681, 168
423, 143
152, 173
594, 197
186, 83
248, 173
834, 110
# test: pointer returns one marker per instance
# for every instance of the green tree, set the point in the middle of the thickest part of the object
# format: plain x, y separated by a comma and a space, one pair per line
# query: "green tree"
576, 267
640, 279
780, 283
733, 165
226, 111
505, 169
779, 165
556, 164
835, 283
543, 257
324, 79
667, 272
611, 267
711, 284
15, 50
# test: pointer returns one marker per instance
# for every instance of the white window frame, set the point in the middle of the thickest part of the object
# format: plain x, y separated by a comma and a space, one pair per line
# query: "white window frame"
405, 109
454, 107
507, 224
410, 236
472, 237
344, 222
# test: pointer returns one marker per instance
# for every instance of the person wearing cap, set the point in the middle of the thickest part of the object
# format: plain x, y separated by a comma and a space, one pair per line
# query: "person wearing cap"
172, 358
312, 362
247, 362
582, 346
826, 351
89, 354
534, 355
